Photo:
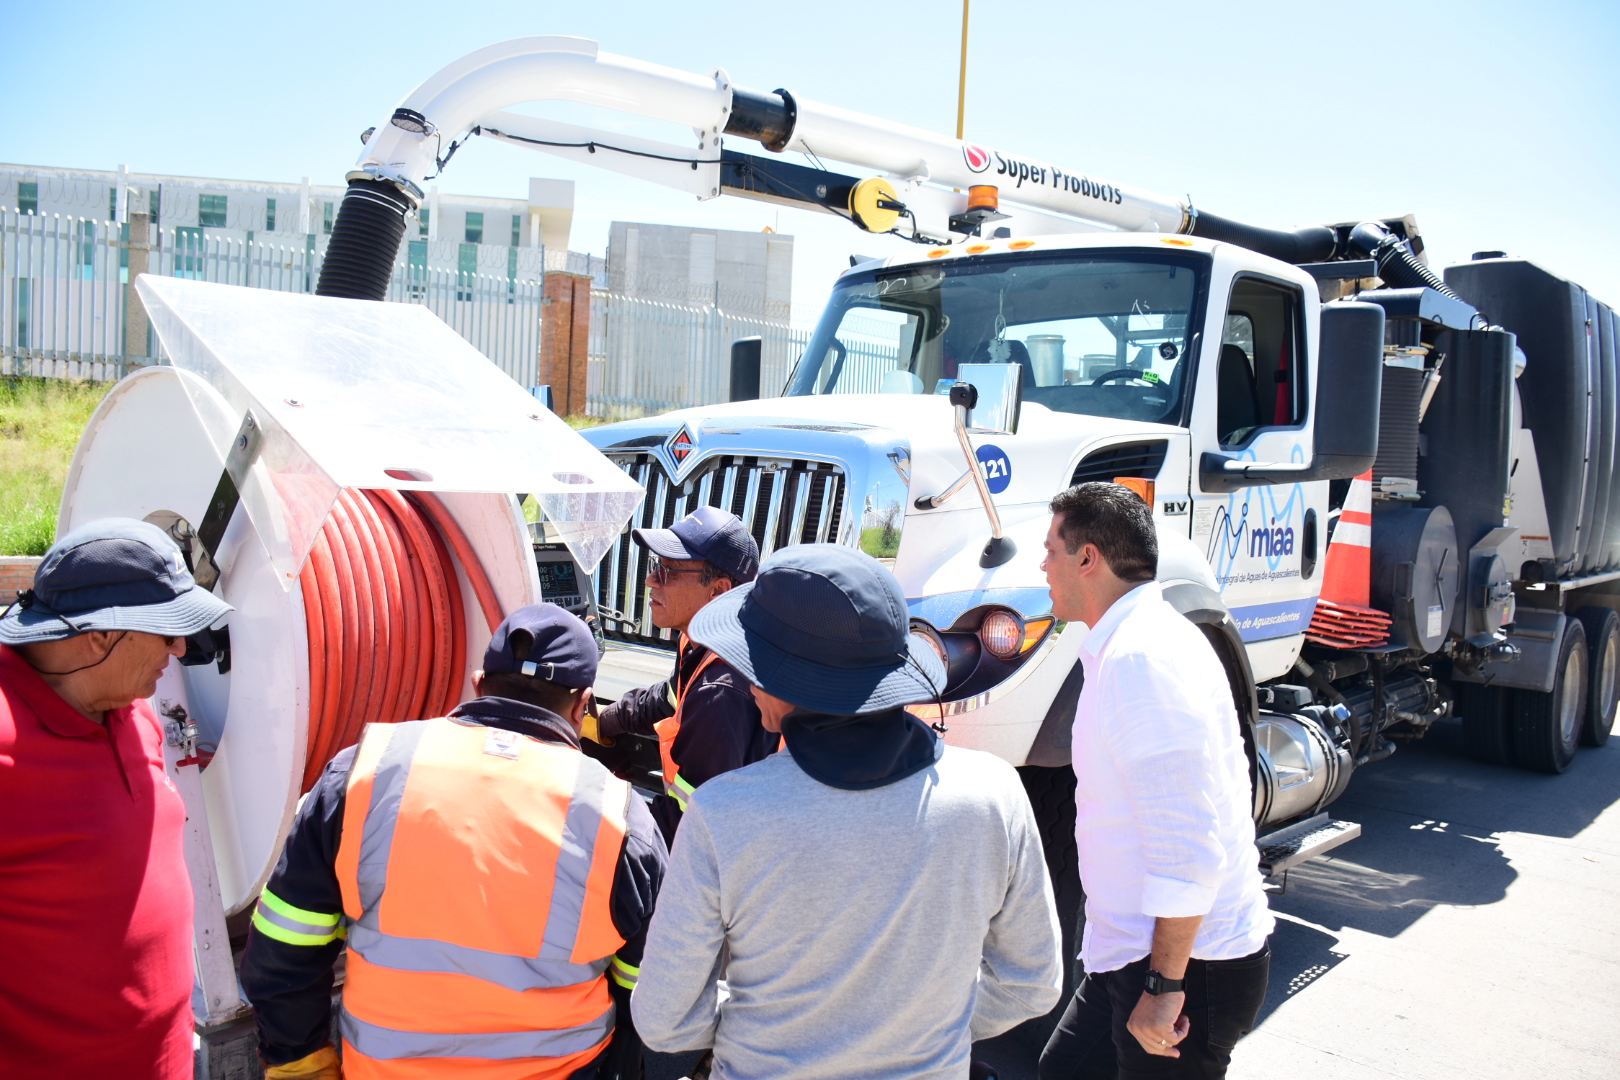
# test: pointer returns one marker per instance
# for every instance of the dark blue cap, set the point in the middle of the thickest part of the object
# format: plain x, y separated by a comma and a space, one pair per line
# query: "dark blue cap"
708, 533
111, 574
825, 627
544, 642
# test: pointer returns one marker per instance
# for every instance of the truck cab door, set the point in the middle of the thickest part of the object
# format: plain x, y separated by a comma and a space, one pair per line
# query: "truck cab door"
1253, 403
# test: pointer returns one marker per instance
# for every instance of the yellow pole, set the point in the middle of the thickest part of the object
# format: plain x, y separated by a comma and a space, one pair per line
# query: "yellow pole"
961, 82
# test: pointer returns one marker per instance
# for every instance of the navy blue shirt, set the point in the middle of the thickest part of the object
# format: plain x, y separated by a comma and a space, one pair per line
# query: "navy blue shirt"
720, 728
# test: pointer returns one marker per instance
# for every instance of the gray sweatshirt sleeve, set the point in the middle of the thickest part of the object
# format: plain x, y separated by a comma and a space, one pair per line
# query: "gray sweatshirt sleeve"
1021, 973
676, 1003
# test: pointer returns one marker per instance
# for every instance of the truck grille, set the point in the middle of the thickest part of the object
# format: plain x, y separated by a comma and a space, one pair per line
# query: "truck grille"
783, 501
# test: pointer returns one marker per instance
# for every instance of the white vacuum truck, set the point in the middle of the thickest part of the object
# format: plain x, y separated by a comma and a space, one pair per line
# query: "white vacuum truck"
1054, 328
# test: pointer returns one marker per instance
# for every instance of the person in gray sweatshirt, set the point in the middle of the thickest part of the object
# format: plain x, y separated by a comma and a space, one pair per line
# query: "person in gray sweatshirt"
869, 902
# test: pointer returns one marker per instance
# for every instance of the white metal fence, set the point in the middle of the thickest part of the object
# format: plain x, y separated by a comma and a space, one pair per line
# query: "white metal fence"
64, 294
647, 356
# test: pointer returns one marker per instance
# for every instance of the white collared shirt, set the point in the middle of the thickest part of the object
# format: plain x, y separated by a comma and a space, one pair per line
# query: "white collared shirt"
1163, 815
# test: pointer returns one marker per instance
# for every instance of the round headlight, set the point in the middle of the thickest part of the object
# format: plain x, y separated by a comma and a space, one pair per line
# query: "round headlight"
928, 634
1002, 633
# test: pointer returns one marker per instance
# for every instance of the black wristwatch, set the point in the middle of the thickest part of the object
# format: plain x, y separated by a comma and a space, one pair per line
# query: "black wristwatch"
1157, 984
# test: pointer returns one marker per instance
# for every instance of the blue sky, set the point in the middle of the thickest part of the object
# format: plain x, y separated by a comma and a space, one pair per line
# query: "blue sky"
1496, 124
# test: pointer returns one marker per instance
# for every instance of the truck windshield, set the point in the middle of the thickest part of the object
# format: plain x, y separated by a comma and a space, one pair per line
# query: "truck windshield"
1104, 333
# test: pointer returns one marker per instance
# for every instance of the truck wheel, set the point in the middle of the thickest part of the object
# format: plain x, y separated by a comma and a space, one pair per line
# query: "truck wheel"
1603, 692
1487, 721
1547, 727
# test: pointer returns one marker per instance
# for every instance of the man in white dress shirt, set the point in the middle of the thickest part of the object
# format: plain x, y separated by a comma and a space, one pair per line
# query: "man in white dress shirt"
1175, 944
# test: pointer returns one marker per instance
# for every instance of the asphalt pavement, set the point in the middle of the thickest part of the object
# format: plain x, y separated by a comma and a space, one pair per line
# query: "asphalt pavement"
1469, 932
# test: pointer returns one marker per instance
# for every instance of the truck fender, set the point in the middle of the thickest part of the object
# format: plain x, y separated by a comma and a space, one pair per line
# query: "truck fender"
1203, 607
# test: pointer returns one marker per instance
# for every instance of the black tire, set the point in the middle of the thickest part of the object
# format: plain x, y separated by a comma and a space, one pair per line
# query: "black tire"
1051, 795
1547, 727
1487, 721
1603, 689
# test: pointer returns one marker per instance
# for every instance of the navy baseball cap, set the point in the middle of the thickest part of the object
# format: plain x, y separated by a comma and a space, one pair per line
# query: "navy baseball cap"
543, 641
111, 574
708, 533
825, 627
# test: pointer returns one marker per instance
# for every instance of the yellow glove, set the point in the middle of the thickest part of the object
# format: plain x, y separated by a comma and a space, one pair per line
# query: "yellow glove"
590, 728
323, 1064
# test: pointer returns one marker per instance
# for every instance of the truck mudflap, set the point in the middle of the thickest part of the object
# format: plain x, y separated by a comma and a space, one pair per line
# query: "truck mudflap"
1303, 841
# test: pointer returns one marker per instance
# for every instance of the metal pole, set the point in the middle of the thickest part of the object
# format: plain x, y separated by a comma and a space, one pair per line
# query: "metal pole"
961, 82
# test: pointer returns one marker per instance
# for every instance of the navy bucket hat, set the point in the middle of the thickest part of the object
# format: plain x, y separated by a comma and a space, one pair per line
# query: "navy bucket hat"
824, 627
111, 574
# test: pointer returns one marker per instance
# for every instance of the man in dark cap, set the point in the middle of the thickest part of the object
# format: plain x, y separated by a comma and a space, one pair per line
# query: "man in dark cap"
874, 900
95, 902
703, 715
494, 885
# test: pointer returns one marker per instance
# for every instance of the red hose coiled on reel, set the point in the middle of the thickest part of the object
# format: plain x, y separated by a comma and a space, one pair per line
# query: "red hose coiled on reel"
383, 611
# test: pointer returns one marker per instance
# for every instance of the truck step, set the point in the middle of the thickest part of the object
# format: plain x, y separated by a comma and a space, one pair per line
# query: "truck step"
1303, 840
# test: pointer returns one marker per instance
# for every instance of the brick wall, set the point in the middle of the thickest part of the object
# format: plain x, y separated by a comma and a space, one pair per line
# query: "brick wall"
565, 333
16, 574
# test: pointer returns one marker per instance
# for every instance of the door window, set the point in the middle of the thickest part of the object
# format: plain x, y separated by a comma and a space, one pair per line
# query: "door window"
1261, 380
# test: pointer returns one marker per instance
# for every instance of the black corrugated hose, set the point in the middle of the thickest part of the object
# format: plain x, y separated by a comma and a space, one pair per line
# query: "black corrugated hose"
1397, 265
365, 241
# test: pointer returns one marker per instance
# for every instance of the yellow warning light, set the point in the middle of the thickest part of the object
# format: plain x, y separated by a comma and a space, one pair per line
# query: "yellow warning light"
1020, 245
1175, 241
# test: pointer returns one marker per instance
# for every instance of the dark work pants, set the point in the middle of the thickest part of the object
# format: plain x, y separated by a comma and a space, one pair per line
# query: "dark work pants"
1091, 1042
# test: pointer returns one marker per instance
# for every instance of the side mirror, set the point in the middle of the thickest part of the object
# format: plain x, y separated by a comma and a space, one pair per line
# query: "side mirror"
745, 366
1001, 395
1349, 386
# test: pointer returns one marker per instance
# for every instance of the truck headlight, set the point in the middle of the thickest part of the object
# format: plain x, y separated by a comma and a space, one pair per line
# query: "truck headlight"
1006, 636
1002, 634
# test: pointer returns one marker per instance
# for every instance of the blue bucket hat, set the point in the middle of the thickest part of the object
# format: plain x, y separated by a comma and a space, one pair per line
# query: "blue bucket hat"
111, 574
824, 627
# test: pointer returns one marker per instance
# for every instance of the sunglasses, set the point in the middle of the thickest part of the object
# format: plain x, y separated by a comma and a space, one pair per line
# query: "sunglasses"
659, 574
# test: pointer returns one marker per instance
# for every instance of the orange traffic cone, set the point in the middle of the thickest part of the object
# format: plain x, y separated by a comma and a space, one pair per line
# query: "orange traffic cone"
1343, 618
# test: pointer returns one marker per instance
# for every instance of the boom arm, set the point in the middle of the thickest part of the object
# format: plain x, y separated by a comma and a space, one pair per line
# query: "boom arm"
923, 176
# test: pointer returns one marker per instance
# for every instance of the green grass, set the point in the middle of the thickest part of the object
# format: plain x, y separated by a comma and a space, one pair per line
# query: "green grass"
40, 424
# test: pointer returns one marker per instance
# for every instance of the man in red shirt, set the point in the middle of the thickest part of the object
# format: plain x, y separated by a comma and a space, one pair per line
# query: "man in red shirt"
95, 904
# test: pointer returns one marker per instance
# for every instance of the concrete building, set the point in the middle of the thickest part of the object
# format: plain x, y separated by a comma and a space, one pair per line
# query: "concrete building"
745, 272
466, 233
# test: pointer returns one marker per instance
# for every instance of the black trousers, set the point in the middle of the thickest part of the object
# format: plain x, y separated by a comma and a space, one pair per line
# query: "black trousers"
1091, 1042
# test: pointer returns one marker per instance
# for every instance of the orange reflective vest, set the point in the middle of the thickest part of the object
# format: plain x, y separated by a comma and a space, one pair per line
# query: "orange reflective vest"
477, 867
670, 726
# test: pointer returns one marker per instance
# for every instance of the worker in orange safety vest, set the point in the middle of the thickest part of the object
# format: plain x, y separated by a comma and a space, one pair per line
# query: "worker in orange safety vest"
492, 883
704, 714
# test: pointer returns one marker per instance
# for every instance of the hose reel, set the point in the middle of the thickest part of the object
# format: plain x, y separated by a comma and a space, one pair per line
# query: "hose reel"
368, 540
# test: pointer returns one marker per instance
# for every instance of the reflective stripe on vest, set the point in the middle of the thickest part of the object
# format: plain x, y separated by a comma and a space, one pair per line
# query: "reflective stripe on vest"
669, 727
386, 1044
453, 842
275, 918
